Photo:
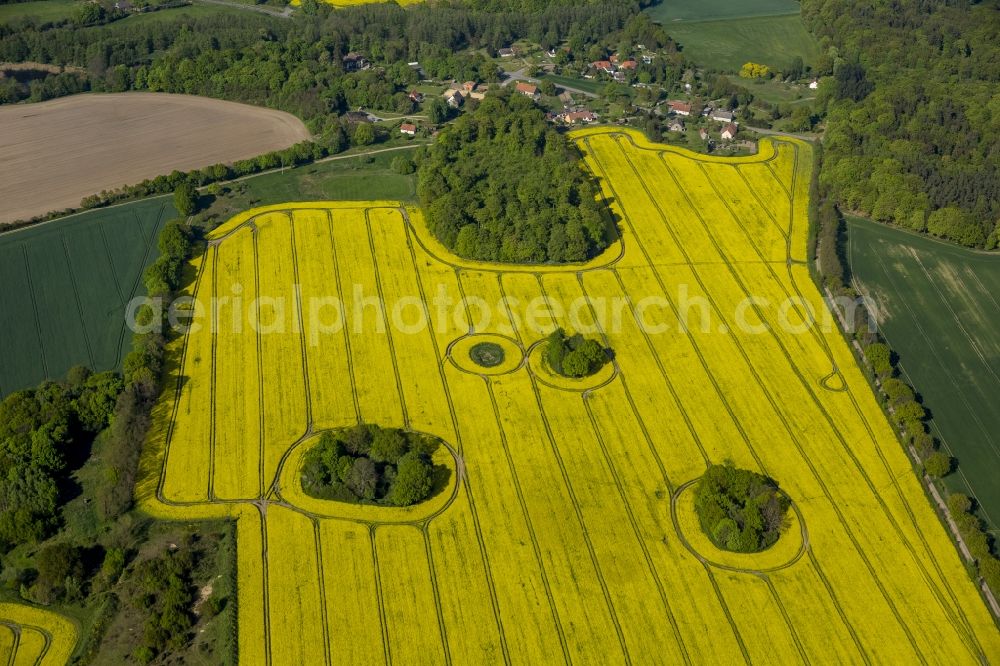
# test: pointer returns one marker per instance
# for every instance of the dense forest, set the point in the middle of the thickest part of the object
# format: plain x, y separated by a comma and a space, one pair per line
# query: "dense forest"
913, 125
296, 65
368, 463
501, 184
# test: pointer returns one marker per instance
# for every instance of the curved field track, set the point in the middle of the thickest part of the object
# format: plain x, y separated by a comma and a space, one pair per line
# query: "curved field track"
557, 543
31, 635
58, 152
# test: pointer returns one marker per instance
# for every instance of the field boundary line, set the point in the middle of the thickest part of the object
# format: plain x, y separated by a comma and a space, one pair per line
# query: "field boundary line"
34, 307
79, 304
340, 295
262, 443
575, 503
442, 629
527, 521
487, 568
599, 437
379, 595
320, 573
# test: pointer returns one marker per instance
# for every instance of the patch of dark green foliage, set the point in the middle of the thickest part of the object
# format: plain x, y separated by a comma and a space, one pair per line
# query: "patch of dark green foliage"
574, 355
501, 184
740, 510
372, 465
487, 354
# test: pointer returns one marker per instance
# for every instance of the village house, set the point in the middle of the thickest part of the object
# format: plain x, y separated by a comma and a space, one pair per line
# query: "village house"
680, 108
729, 132
527, 89
703, 133
354, 62
468, 87
628, 64
722, 116
454, 98
574, 117
408, 128
416, 96
676, 126
648, 59
603, 66
507, 52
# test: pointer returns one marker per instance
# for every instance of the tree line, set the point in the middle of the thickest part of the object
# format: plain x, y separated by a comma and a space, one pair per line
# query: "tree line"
881, 364
297, 65
913, 134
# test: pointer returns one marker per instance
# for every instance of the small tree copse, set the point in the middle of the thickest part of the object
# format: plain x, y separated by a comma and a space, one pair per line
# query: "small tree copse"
938, 464
186, 199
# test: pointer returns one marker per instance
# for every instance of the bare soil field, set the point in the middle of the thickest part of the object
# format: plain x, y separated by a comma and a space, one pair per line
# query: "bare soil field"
55, 153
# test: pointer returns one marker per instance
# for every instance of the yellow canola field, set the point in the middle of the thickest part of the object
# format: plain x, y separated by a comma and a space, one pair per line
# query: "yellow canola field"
564, 529
30, 635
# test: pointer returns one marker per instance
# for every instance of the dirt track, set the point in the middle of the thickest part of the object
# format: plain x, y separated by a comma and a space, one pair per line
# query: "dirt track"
55, 153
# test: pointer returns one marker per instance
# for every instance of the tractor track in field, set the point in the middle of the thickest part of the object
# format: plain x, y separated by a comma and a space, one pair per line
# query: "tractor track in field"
663, 372
962, 630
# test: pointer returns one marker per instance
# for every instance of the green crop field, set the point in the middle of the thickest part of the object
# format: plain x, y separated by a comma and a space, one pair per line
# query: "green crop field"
43, 10
668, 11
65, 285
939, 309
587, 85
345, 178
727, 44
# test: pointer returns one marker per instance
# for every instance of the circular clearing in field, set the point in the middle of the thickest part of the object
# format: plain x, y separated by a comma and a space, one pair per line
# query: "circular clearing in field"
486, 354
290, 490
546, 375
791, 545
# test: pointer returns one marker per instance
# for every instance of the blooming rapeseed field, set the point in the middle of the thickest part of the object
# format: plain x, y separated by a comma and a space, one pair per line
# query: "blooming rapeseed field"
562, 529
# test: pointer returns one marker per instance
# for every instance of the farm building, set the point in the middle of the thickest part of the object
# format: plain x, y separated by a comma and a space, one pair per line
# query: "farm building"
527, 89
408, 128
680, 108
575, 117
729, 132
722, 116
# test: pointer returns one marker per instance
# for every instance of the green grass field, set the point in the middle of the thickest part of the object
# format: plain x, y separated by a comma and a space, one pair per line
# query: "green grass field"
727, 44
587, 85
668, 11
941, 307
355, 178
65, 283
65, 287
43, 10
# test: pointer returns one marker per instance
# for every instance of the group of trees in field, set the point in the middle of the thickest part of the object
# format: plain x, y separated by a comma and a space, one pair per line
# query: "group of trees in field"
501, 184
574, 355
739, 510
912, 131
368, 463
